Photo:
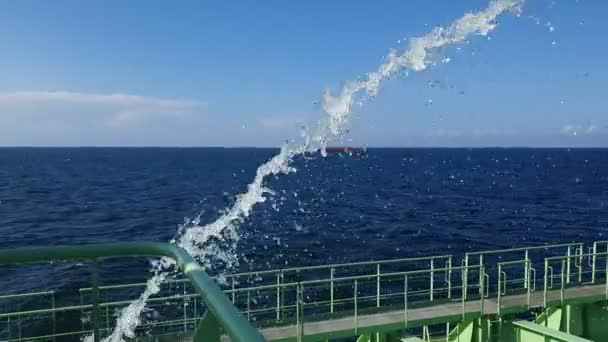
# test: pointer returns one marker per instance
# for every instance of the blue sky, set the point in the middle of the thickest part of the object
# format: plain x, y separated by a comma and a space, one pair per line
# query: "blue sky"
250, 73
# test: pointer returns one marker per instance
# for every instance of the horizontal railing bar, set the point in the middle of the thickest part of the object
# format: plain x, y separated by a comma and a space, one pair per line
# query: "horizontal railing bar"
274, 271
101, 304
574, 256
513, 262
30, 294
45, 311
358, 263
393, 274
124, 286
523, 249
359, 277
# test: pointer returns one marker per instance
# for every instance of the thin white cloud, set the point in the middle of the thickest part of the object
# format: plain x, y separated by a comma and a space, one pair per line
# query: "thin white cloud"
89, 98
280, 122
76, 118
588, 129
118, 109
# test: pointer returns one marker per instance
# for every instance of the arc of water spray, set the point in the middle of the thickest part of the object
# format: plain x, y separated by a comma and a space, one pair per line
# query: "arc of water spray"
205, 241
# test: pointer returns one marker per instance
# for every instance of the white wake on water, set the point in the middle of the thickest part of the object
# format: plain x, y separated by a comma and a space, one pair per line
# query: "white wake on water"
217, 241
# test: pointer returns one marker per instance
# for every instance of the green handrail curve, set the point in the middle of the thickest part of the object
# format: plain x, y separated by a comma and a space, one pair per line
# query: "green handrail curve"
235, 325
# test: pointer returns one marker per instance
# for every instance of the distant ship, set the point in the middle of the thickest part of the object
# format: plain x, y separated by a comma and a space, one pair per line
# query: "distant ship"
346, 149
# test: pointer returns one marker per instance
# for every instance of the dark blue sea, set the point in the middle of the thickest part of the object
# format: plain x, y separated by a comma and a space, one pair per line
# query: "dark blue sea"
385, 203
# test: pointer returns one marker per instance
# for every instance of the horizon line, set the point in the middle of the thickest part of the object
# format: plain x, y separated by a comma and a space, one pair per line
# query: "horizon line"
279, 147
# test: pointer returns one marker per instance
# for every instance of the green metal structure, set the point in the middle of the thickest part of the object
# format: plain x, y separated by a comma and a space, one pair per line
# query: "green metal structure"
541, 293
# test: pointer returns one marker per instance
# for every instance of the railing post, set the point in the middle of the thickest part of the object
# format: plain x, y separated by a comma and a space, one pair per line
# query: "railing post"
233, 291
249, 305
481, 289
568, 255
481, 263
303, 312
432, 285
425, 333
464, 287
298, 313
278, 317
546, 285
562, 283
355, 299
19, 328
299, 318
95, 298
606, 273
108, 320
498, 299
282, 294
54, 315
580, 263
377, 285
526, 275
405, 300
465, 274
332, 271
606, 258
82, 312
449, 277
447, 331
528, 267
185, 305
593, 262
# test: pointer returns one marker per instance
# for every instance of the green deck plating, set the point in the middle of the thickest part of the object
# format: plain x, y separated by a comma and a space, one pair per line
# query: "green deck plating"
541, 293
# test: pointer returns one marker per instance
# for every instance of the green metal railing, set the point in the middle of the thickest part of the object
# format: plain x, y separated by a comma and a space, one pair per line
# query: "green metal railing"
528, 287
177, 294
598, 246
296, 297
221, 312
561, 263
241, 288
279, 276
532, 253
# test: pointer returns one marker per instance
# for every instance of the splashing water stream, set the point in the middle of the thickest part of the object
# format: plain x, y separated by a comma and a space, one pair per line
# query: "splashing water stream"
217, 241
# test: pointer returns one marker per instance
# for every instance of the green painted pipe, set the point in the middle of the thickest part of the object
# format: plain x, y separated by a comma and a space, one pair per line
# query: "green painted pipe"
226, 314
